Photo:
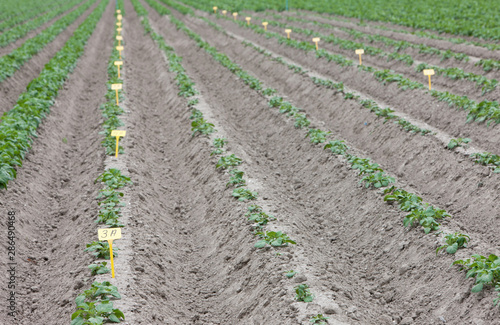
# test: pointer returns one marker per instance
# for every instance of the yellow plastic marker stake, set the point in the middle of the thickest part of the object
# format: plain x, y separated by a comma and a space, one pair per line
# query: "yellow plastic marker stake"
119, 24
118, 64
429, 72
224, 12
110, 234
115, 87
215, 10
265, 25
117, 134
234, 15
118, 11
120, 49
119, 30
119, 39
360, 51
119, 17
248, 20
288, 31
316, 40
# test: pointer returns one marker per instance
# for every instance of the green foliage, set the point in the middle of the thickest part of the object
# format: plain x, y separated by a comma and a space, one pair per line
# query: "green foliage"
317, 136
99, 268
236, 178
457, 142
486, 271
113, 178
100, 250
21, 30
257, 215
337, 147
100, 290
301, 121
10, 63
201, 126
18, 126
488, 159
319, 319
378, 179
302, 293
269, 91
218, 144
454, 242
228, 161
243, 194
290, 274
96, 313
274, 239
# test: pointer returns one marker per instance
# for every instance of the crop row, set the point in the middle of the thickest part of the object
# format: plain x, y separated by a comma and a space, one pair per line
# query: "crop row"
398, 45
484, 111
228, 162
485, 158
418, 33
94, 306
446, 16
19, 125
27, 12
21, 30
386, 113
12, 62
371, 174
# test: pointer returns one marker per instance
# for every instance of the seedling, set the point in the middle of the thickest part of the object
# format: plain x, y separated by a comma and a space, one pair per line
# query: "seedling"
218, 144
303, 294
193, 102
99, 268
301, 121
113, 178
337, 147
269, 91
290, 274
319, 319
100, 250
454, 242
236, 178
273, 238
487, 158
243, 194
317, 136
275, 101
99, 290
257, 215
201, 126
228, 161
96, 313
196, 114
457, 142
486, 270
378, 179
426, 217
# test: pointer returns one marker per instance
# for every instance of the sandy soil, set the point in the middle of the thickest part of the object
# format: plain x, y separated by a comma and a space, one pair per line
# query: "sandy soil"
188, 252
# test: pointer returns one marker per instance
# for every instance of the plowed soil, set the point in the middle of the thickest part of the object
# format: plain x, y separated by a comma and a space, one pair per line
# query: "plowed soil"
187, 255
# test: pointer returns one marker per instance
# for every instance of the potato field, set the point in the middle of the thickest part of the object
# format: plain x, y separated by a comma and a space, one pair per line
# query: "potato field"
253, 162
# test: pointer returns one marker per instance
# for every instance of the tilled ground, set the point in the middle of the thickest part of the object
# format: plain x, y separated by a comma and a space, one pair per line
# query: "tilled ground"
16, 84
190, 249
